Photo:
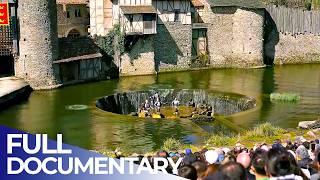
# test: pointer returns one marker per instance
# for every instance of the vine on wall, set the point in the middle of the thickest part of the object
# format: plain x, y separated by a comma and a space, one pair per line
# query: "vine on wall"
113, 41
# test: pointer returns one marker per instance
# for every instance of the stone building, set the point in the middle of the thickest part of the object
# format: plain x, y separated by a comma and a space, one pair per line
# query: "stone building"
224, 33
73, 18
44, 60
235, 32
159, 31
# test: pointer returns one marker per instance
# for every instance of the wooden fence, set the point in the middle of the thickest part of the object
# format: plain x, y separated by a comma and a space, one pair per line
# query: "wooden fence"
295, 21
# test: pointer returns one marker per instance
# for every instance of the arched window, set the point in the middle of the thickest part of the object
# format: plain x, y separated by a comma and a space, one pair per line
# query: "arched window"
74, 33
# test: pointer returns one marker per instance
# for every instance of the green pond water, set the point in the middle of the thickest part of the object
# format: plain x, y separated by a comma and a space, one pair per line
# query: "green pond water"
91, 128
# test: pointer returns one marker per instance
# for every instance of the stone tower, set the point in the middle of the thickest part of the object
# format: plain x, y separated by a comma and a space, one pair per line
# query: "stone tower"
38, 43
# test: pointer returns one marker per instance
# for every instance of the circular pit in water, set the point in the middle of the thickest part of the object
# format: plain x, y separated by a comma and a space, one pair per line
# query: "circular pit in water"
130, 103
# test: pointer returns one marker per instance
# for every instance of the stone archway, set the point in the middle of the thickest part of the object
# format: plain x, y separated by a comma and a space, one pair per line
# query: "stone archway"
73, 33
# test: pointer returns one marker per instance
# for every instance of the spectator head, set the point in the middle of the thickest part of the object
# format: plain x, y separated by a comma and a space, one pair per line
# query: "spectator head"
189, 159
277, 146
306, 144
279, 163
233, 171
163, 154
264, 147
211, 169
201, 168
229, 158
188, 151
259, 160
317, 141
188, 172
318, 159
220, 155
293, 154
211, 156
244, 159
302, 153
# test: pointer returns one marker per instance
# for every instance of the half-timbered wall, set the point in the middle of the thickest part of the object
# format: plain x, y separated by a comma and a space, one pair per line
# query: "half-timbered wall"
97, 17
173, 11
136, 26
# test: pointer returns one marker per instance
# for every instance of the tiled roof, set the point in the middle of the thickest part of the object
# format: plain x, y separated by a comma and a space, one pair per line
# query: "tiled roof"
197, 3
256, 4
137, 9
72, 1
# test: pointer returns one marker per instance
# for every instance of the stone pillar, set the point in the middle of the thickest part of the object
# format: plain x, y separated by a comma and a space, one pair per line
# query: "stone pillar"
38, 43
247, 43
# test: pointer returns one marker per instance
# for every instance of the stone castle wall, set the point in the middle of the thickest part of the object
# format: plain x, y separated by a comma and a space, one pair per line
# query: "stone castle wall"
219, 32
173, 43
282, 48
140, 59
38, 43
248, 37
235, 36
297, 49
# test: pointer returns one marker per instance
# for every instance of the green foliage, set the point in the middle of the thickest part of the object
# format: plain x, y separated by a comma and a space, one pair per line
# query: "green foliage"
315, 4
171, 144
288, 97
221, 140
204, 59
201, 61
265, 130
261, 133
108, 43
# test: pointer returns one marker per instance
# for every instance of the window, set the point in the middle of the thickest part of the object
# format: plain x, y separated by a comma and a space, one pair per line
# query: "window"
77, 13
131, 19
68, 14
177, 15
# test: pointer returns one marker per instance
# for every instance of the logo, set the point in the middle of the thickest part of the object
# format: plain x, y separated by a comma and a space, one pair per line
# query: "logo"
4, 14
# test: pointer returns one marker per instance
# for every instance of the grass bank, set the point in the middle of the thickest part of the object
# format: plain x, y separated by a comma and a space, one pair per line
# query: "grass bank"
263, 133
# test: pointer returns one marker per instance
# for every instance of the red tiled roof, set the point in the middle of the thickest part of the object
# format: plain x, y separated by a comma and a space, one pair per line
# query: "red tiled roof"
197, 3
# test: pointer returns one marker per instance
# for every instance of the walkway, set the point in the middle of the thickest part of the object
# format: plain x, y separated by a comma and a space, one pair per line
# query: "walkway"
13, 90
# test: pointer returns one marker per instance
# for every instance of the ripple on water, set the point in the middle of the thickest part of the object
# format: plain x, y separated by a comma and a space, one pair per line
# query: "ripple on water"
76, 107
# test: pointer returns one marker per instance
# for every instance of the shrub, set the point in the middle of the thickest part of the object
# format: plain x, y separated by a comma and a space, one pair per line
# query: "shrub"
222, 140
264, 130
290, 97
172, 144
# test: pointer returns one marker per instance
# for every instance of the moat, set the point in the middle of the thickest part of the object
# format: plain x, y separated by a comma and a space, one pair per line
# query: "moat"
72, 110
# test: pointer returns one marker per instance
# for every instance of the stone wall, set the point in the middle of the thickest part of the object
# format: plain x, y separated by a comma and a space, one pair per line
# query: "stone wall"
140, 58
38, 43
72, 47
65, 24
173, 43
296, 49
235, 36
248, 31
283, 48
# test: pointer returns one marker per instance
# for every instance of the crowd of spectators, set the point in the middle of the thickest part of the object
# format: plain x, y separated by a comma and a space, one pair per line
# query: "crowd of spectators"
288, 160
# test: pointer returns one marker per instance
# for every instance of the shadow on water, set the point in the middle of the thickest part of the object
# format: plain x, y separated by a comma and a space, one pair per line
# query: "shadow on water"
267, 86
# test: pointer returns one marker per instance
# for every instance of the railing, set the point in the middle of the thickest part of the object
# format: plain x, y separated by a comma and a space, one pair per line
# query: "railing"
148, 27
